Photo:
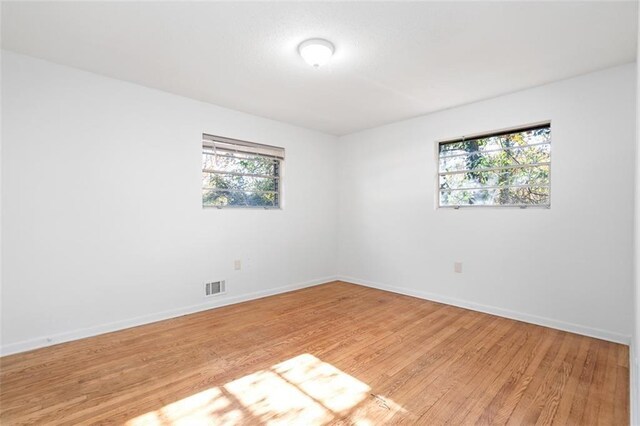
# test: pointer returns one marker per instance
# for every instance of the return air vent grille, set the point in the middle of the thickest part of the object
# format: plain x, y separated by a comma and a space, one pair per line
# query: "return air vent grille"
213, 288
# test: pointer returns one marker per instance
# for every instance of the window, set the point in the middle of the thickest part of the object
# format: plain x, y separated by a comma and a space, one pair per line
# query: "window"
509, 168
240, 174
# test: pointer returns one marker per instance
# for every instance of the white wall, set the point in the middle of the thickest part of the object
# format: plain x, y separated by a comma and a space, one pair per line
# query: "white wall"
103, 226
101, 213
569, 267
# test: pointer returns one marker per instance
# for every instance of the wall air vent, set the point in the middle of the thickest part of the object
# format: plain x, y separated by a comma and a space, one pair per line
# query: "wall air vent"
214, 288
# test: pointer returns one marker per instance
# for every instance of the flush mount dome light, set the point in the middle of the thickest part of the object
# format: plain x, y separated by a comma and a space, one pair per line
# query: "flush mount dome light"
316, 52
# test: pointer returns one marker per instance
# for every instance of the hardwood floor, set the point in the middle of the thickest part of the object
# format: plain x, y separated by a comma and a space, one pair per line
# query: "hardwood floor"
331, 354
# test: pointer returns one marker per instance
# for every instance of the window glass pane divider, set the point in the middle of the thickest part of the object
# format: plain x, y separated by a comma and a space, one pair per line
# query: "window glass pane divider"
217, 152
462, 206
246, 156
243, 207
489, 151
480, 188
251, 191
211, 171
491, 169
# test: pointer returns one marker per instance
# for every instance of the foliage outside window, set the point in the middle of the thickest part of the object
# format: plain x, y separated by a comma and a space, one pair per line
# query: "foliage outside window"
240, 174
504, 169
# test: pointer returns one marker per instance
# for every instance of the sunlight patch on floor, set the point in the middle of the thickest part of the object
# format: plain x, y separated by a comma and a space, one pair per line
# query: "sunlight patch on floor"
198, 409
270, 397
302, 390
334, 389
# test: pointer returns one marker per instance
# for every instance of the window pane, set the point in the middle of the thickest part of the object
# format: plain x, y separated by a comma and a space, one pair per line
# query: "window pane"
503, 196
239, 163
522, 176
517, 138
510, 157
238, 183
231, 198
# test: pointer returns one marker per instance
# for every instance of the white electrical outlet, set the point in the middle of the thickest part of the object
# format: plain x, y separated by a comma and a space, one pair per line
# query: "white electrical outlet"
457, 267
237, 265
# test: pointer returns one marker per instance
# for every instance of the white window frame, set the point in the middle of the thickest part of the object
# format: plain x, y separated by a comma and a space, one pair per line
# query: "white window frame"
228, 146
516, 129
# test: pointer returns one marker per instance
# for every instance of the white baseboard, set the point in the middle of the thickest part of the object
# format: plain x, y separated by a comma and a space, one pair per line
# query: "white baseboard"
533, 319
41, 342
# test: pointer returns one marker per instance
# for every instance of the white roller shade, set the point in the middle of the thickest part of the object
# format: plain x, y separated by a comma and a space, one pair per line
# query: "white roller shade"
222, 144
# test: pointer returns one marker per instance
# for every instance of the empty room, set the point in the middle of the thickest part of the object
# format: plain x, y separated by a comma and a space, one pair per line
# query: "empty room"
319, 213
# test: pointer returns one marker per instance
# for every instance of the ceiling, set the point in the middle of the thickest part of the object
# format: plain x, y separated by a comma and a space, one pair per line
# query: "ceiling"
393, 60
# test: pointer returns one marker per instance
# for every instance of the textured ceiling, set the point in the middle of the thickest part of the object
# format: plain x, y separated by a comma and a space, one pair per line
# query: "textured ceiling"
393, 60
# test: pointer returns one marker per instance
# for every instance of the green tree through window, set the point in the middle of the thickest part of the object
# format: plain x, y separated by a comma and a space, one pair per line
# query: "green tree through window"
240, 175
504, 169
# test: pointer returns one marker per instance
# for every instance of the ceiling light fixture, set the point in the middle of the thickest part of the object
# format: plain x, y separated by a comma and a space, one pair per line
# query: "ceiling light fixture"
316, 51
